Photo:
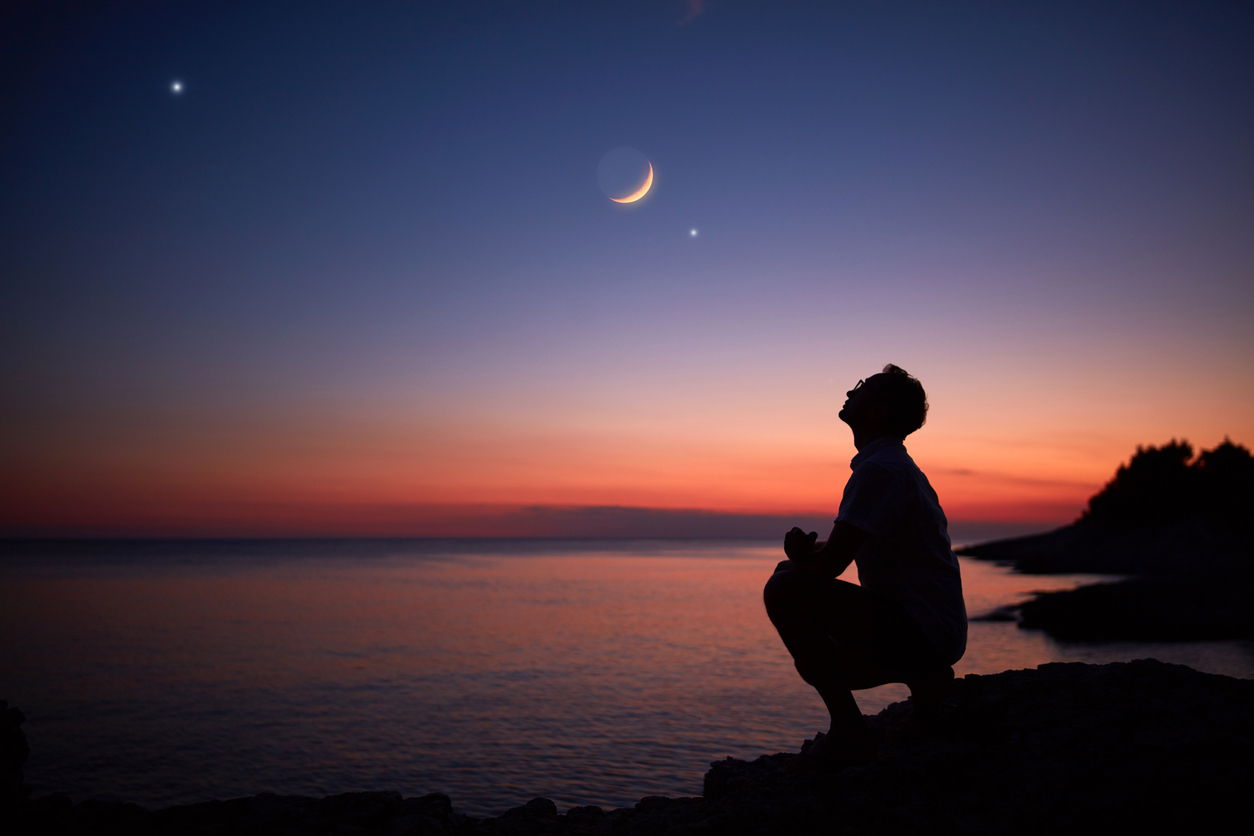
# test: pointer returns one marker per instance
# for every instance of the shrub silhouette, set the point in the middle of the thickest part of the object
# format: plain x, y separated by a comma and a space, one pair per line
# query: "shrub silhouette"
1164, 485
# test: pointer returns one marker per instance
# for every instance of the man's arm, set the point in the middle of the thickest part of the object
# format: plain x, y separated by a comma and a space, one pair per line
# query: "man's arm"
828, 557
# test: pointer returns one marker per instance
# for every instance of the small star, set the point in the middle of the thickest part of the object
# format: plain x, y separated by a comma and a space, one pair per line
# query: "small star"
692, 233
176, 87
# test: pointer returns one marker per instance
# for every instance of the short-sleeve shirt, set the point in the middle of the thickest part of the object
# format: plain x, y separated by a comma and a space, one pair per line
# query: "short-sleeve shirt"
907, 554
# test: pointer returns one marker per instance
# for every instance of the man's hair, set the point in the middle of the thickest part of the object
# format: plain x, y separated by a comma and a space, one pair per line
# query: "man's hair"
905, 398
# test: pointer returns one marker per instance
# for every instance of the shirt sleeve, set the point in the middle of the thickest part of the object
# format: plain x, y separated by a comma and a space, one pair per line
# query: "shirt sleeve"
871, 500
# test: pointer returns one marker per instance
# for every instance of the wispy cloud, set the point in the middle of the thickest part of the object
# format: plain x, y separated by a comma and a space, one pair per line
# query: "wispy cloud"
693, 10
1013, 479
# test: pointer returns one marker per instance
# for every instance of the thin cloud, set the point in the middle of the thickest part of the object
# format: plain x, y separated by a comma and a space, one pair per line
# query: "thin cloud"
695, 9
1012, 479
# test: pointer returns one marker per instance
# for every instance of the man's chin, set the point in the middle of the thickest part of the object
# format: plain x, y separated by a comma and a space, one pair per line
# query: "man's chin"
843, 415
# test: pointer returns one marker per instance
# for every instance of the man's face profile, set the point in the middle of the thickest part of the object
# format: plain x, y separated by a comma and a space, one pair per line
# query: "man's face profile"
859, 402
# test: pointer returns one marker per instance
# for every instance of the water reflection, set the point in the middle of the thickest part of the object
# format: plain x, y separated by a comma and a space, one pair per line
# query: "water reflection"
590, 675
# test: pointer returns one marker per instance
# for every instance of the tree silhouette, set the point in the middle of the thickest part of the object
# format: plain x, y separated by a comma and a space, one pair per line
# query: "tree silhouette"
1164, 485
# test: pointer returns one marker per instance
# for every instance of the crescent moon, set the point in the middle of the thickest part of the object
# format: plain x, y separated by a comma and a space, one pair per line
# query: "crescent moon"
639, 193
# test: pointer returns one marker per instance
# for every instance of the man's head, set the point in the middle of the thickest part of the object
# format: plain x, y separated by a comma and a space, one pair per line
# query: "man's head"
889, 403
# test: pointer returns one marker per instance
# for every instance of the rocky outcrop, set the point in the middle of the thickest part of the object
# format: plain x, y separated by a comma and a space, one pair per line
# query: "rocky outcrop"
1182, 589
1062, 748
1179, 607
1183, 527
1088, 547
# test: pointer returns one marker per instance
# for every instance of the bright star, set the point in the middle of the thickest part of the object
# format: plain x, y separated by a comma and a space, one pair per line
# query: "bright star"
176, 87
693, 233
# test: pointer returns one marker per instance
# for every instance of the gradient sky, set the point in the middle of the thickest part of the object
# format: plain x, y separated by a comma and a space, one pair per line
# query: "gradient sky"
358, 277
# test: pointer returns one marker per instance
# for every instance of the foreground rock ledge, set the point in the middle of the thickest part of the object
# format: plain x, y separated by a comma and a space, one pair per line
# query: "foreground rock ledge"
1065, 747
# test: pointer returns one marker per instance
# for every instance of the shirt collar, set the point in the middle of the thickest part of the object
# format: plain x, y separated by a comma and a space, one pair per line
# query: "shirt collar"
882, 443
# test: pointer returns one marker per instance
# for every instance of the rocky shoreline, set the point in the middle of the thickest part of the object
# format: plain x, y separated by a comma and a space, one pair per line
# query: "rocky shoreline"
1210, 606
1182, 527
1178, 594
1057, 748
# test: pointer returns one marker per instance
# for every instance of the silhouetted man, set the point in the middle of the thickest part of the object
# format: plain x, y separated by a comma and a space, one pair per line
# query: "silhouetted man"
907, 621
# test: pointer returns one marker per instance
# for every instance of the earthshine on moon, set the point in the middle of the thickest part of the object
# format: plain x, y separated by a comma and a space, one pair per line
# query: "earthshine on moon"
638, 193
625, 175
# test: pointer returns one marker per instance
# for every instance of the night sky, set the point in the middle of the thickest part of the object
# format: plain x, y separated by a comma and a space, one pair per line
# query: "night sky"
357, 275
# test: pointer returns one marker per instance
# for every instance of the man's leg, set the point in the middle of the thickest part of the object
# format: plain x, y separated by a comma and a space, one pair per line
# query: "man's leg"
826, 624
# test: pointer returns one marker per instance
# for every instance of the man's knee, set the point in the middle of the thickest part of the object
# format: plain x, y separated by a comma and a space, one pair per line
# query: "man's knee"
784, 587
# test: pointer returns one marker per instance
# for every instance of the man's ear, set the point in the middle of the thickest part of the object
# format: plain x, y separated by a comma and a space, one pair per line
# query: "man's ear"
878, 414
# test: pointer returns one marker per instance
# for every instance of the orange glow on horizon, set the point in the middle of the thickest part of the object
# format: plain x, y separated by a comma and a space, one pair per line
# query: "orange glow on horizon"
499, 489
539, 465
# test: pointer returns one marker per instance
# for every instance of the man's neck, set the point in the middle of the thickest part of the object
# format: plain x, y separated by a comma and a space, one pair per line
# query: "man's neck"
863, 438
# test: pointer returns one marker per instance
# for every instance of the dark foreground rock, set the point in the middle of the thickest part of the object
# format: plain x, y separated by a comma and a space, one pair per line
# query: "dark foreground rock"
1063, 748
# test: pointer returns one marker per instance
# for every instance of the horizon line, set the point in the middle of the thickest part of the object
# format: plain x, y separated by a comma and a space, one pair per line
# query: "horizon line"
586, 523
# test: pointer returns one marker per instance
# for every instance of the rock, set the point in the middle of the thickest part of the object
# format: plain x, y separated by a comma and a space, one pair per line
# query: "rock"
536, 808
1089, 547
1061, 748
416, 824
585, 813
14, 752
1185, 607
361, 809
113, 817
430, 815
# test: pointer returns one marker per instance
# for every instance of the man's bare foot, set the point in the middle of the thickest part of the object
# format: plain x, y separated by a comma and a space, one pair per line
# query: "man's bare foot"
928, 691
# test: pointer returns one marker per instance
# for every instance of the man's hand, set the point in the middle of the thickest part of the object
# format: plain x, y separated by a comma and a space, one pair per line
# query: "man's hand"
798, 545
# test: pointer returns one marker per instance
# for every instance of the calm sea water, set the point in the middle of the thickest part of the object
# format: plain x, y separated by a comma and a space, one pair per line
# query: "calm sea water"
589, 673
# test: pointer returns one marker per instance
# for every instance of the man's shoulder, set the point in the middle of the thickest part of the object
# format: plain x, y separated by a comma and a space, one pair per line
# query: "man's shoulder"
876, 474
889, 467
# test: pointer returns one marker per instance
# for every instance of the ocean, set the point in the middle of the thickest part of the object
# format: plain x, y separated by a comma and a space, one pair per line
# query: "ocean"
597, 672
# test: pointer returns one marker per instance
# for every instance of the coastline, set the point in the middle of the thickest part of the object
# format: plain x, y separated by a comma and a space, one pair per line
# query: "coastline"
1186, 582
1062, 746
